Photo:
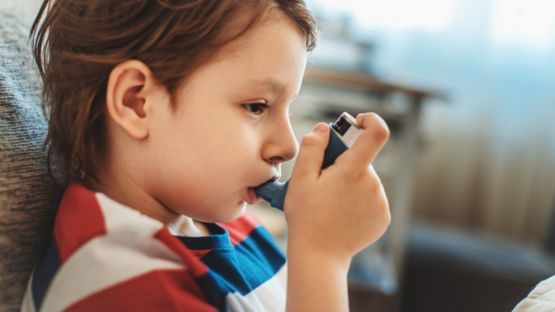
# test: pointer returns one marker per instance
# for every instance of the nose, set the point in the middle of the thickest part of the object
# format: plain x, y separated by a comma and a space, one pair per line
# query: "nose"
281, 145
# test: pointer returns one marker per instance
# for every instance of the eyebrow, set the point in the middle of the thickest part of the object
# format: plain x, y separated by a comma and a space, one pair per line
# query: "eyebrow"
274, 87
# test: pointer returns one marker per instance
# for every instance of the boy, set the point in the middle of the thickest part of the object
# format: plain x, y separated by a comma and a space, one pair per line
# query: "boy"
166, 115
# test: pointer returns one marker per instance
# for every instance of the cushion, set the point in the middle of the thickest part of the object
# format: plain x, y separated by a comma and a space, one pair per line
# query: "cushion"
28, 197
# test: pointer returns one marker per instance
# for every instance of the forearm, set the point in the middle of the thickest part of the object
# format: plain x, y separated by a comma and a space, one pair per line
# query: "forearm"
315, 283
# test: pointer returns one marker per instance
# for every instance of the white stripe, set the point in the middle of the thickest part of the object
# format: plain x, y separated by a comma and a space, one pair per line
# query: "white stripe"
270, 296
128, 250
118, 217
28, 304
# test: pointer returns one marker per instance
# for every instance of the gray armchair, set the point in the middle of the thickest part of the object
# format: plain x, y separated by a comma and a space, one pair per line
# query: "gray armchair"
459, 270
28, 198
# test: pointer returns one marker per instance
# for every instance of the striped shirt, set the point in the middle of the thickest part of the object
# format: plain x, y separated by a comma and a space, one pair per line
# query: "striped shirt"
105, 256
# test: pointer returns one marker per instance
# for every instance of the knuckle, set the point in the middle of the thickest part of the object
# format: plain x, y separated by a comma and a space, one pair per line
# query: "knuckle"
374, 123
383, 133
366, 116
379, 128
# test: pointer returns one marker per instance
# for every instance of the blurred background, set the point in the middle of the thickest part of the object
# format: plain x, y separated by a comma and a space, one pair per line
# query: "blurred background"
468, 90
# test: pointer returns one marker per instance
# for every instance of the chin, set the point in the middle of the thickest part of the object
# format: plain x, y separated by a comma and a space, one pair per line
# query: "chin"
237, 212
226, 214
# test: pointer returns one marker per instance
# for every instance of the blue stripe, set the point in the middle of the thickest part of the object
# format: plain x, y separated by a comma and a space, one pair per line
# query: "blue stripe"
44, 272
218, 239
241, 269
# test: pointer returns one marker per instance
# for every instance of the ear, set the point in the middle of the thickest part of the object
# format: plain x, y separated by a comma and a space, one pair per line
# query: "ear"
127, 97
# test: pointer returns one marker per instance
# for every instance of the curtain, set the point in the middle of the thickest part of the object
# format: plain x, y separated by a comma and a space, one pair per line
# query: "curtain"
488, 153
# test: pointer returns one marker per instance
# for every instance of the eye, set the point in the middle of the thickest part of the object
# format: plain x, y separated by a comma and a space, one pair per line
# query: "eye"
256, 108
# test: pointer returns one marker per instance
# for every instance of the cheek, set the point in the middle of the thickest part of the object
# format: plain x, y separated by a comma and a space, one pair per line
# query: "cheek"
203, 165
234, 144
215, 165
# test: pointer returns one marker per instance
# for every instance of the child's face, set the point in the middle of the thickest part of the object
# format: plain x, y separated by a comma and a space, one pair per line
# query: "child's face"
230, 130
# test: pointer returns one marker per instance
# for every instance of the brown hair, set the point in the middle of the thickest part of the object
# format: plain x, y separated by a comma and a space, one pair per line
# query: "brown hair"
77, 43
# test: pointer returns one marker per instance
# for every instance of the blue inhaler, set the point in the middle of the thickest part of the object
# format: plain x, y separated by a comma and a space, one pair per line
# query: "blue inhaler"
343, 133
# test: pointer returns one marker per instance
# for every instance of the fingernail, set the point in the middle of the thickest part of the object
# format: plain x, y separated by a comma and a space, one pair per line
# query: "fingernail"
321, 128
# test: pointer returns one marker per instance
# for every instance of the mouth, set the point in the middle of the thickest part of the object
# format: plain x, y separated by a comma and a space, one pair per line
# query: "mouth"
251, 197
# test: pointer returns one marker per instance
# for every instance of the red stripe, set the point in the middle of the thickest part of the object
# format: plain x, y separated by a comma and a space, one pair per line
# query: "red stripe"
79, 219
162, 290
200, 252
191, 261
241, 228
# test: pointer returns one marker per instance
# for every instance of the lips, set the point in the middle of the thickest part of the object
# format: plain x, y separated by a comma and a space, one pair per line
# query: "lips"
251, 197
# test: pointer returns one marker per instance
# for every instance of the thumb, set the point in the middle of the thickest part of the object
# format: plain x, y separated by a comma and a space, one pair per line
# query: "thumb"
311, 154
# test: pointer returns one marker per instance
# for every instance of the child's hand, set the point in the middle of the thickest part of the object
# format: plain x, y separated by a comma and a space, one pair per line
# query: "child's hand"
336, 212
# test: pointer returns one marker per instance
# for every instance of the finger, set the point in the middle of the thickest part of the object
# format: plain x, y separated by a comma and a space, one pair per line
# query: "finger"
311, 153
369, 143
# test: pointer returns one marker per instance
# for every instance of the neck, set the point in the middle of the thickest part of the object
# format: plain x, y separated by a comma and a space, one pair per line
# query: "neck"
122, 187
125, 189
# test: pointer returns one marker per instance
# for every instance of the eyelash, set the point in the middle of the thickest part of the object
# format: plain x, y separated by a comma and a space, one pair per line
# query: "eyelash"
258, 106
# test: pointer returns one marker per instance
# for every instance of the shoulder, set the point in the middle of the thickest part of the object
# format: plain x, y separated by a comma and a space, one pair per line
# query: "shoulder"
104, 250
159, 290
84, 216
117, 271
